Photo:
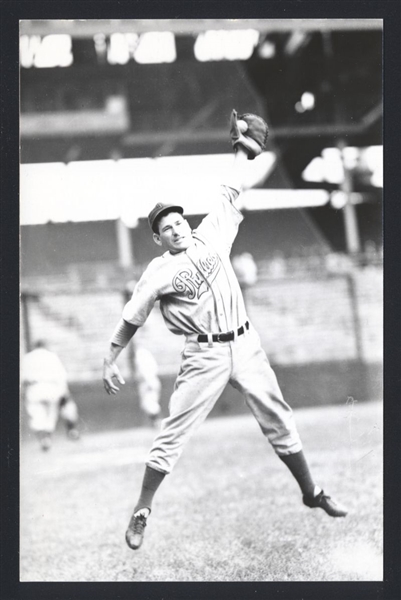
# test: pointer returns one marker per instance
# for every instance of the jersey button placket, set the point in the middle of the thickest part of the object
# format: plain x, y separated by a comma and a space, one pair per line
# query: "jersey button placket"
221, 315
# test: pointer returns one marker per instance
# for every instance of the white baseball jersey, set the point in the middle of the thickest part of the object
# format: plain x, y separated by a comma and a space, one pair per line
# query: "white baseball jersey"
46, 383
45, 374
149, 385
197, 288
145, 365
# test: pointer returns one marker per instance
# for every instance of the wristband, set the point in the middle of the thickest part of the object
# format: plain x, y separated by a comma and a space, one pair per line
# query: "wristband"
123, 333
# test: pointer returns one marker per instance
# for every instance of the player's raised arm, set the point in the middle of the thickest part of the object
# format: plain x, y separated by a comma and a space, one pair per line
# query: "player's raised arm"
248, 133
121, 336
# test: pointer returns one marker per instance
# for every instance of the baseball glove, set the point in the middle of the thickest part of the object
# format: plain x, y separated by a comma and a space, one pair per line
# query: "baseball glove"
254, 138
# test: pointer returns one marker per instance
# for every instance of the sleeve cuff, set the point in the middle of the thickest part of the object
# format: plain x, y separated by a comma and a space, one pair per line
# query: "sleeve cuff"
123, 333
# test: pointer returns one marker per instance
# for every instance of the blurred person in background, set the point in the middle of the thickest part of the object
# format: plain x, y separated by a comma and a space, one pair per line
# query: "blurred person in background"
45, 391
277, 266
146, 373
200, 298
246, 271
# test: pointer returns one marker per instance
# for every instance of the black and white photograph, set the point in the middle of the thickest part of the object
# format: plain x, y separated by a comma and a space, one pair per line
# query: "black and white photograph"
201, 300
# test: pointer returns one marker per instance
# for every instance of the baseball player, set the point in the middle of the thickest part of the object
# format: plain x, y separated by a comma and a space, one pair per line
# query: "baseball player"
148, 383
200, 298
46, 394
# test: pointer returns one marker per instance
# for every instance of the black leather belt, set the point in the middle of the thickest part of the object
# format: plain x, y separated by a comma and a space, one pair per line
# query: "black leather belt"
223, 337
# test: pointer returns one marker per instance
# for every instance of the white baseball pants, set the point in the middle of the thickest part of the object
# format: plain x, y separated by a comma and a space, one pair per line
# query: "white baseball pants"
204, 373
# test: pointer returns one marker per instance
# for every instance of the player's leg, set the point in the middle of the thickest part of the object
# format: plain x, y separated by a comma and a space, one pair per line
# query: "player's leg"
42, 421
203, 376
136, 526
255, 378
69, 414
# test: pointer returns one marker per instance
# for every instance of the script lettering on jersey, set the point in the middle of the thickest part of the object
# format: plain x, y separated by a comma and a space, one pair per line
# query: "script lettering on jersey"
189, 283
209, 265
192, 283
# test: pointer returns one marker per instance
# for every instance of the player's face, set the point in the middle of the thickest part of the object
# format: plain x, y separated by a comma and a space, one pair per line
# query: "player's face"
174, 233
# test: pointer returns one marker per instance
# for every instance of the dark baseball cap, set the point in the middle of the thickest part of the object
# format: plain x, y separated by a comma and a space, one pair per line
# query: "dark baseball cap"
158, 211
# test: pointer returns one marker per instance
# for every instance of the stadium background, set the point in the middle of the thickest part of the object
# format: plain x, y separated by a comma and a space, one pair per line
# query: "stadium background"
318, 301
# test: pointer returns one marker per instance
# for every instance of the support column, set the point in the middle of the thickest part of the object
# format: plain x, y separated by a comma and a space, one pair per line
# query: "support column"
125, 251
349, 211
25, 322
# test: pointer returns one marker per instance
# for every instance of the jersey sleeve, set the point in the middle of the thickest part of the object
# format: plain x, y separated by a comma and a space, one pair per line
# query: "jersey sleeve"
143, 299
220, 226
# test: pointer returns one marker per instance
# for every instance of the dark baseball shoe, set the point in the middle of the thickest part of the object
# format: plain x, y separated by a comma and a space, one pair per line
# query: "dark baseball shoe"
136, 531
323, 501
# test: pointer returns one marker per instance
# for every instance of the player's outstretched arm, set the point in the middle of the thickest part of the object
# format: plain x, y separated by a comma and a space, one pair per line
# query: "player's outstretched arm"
121, 336
111, 371
248, 133
240, 158
236, 175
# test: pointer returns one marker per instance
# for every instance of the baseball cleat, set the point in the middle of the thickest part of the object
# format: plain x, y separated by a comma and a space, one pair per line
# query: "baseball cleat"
326, 503
136, 531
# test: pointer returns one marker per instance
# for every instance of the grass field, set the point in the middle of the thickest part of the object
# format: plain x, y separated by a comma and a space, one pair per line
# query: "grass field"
230, 511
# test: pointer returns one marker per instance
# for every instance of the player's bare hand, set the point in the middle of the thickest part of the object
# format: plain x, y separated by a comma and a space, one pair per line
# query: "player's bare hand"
111, 372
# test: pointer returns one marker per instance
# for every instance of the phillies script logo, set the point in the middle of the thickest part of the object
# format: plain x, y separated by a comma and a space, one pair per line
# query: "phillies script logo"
193, 284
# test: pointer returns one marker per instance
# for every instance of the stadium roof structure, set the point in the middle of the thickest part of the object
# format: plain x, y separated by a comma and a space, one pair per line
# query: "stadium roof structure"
83, 28
92, 109
317, 82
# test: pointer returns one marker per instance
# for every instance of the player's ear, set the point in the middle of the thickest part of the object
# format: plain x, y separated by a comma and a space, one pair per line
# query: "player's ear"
156, 239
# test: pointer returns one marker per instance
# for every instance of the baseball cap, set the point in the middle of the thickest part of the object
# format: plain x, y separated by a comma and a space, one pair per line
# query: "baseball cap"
159, 209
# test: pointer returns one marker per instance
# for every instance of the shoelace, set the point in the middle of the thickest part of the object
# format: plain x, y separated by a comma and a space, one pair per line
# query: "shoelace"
320, 497
139, 524
326, 497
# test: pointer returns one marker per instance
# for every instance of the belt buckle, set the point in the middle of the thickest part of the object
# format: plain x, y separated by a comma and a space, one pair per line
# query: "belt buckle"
226, 334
